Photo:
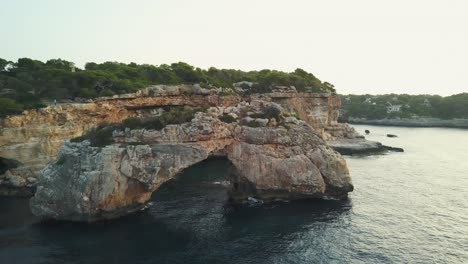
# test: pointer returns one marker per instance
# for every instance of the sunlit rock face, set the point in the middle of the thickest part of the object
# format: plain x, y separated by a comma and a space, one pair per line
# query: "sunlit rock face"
282, 158
33, 138
319, 110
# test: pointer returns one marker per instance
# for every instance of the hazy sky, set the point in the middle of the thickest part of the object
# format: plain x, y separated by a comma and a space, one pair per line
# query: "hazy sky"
361, 46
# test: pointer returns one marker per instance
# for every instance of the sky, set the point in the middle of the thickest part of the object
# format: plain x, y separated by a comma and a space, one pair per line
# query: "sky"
361, 46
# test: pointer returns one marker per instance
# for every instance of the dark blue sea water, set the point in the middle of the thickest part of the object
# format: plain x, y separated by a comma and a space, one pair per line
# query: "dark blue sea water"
409, 207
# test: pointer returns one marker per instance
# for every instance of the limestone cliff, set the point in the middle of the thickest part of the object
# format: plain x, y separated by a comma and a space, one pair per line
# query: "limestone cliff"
321, 111
33, 138
274, 157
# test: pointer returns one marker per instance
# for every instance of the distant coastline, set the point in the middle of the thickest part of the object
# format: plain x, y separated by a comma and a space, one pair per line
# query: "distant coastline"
412, 122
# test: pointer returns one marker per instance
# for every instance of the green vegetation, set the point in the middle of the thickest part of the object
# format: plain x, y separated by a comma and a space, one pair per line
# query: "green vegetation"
253, 123
269, 112
411, 106
226, 118
99, 137
27, 83
174, 116
102, 135
9, 106
291, 115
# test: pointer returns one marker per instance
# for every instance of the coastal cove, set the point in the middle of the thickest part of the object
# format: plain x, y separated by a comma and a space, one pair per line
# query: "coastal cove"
405, 208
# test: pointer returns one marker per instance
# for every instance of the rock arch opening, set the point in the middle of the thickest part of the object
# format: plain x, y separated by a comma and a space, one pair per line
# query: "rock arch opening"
203, 185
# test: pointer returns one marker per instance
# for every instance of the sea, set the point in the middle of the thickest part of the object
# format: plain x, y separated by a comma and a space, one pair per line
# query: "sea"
409, 207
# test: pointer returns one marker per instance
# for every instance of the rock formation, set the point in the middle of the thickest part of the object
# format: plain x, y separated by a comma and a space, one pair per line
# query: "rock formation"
33, 139
282, 157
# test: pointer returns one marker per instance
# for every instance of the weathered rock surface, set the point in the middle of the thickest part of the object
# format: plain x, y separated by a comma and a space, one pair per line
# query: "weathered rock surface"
33, 138
360, 146
273, 163
86, 183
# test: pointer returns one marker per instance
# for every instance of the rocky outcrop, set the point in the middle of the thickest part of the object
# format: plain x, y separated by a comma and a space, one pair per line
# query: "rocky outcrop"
87, 183
33, 138
283, 158
285, 163
360, 147
320, 110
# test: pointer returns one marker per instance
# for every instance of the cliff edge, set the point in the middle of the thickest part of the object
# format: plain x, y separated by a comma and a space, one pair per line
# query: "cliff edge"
275, 155
30, 140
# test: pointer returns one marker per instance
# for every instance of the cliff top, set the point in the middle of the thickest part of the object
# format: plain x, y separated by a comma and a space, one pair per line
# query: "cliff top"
27, 83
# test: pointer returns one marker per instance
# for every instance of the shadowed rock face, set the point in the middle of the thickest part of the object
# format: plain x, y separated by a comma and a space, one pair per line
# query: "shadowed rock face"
290, 160
87, 183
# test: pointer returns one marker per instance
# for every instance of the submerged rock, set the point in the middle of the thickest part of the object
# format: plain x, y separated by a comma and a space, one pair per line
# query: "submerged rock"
86, 183
360, 147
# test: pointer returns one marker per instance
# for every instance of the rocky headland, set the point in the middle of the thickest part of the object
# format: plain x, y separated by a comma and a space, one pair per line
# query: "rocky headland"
273, 157
286, 154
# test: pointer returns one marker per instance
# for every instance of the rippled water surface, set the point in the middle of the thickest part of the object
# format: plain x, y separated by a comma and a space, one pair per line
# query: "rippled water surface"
409, 207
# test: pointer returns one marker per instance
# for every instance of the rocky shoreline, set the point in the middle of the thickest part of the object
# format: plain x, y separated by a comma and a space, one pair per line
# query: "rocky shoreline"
275, 157
420, 122
360, 147
283, 145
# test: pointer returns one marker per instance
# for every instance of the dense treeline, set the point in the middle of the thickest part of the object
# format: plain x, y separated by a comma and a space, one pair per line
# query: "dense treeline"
29, 83
412, 106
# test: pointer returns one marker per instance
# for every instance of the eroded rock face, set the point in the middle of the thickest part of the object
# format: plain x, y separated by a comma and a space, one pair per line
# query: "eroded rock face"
88, 183
284, 159
280, 163
33, 138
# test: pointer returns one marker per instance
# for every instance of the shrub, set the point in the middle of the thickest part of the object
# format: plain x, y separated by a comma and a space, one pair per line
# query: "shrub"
135, 143
9, 106
205, 85
102, 135
174, 116
292, 115
253, 124
268, 112
272, 112
132, 123
99, 137
227, 118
